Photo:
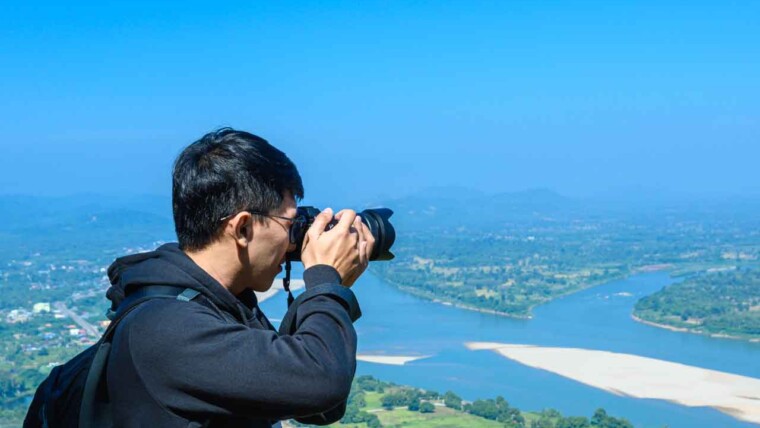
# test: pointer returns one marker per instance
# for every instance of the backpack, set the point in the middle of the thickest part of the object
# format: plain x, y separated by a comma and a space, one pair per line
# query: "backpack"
75, 394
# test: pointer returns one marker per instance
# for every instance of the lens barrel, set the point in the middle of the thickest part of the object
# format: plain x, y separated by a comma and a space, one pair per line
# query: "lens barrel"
376, 219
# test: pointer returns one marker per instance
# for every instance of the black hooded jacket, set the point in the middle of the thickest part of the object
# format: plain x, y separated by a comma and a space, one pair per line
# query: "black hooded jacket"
217, 360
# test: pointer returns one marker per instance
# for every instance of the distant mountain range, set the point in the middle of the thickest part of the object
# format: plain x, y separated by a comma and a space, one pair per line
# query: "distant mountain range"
31, 224
448, 207
20, 212
432, 208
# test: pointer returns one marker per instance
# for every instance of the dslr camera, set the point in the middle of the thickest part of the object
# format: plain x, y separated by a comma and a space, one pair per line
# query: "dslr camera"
376, 220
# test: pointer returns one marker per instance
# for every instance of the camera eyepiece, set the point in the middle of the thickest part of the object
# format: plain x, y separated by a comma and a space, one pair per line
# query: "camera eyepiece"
376, 219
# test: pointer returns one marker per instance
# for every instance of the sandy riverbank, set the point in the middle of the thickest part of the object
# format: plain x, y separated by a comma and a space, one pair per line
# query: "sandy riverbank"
395, 360
687, 330
481, 310
642, 377
295, 284
415, 292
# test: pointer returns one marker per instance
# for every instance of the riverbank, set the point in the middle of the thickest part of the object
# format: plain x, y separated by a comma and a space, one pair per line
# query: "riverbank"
641, 377
397, 323
688, 330
413, 291
436, 299
720, 303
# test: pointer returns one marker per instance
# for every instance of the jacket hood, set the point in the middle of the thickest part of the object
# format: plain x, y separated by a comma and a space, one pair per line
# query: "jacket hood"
168, 265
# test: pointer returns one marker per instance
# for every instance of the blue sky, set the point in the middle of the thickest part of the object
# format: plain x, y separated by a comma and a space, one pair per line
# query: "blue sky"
375, 98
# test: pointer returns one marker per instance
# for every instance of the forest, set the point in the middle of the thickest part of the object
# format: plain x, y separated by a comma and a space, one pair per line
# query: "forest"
723, 303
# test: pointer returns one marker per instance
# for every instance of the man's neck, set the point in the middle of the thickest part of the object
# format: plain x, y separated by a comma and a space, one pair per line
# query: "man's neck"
225, 273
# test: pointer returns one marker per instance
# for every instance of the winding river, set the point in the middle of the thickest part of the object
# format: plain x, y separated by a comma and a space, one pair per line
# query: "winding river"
395, 323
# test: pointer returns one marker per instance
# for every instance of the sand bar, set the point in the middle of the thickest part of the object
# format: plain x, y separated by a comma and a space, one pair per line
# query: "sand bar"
395, 360
642, 377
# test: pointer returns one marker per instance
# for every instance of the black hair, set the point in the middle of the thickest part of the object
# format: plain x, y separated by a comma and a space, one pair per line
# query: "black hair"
224, 172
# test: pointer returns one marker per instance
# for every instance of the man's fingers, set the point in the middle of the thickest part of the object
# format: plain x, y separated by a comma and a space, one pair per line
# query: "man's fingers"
364, 232
305, 242
370, 239
320, 223
346, 219
367, 234
353, 235
363, 256
359, 229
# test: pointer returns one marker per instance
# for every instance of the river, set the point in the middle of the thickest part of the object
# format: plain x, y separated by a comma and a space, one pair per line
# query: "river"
396, 323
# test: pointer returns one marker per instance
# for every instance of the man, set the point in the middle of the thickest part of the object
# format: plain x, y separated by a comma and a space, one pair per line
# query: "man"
216, 360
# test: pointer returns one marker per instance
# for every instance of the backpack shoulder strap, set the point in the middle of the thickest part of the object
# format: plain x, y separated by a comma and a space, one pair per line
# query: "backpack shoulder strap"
94, 413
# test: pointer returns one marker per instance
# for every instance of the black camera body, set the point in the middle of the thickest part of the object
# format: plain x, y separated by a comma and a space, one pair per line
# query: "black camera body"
376, 220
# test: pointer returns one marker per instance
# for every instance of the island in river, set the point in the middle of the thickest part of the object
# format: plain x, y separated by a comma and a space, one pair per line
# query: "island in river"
508, 253
722, 304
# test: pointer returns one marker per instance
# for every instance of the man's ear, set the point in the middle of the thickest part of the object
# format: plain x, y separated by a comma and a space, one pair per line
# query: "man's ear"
241, 228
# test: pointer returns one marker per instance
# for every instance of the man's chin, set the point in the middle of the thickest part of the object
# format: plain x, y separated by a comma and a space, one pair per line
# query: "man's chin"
263, 286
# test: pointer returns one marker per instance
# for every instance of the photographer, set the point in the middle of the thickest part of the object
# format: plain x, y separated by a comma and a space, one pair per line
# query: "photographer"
216, 360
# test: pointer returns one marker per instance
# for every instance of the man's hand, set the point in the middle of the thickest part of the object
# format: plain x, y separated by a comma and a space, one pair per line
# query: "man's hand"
366, 244
346, 247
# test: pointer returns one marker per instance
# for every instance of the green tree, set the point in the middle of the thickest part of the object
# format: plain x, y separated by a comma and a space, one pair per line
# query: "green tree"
573, 422
551, 413
369, 383
427, 407
357, 398
414, 405
373, 422
542, 422
602, 420
388, 402
452, 400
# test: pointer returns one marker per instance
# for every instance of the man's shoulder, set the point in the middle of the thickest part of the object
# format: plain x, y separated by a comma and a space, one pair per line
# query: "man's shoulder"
170, 317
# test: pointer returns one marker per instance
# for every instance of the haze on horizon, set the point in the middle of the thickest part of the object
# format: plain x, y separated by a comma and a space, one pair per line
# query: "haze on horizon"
383, 99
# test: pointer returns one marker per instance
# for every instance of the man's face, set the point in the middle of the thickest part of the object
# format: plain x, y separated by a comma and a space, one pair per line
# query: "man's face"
270, 243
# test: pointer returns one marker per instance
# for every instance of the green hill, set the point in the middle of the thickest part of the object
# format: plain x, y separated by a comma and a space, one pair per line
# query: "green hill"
374, 403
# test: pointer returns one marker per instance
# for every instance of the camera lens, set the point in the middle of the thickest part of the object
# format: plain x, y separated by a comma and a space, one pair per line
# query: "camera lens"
376, 219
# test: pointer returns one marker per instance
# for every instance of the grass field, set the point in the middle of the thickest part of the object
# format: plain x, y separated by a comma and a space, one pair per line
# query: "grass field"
442, 417
373, 400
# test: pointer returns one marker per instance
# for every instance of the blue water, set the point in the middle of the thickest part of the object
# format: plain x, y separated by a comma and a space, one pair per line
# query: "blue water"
396, 323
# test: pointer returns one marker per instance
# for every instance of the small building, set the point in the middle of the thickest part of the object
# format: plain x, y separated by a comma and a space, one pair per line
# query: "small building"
41, 307
18, 316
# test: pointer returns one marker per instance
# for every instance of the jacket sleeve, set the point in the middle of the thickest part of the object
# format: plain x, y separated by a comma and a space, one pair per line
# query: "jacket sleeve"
195, 364
321, 279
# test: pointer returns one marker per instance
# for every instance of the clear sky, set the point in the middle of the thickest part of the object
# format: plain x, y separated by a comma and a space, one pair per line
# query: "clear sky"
378, 98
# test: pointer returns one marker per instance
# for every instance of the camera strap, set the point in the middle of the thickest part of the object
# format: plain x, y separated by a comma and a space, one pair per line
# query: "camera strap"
286, 282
